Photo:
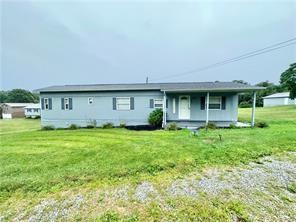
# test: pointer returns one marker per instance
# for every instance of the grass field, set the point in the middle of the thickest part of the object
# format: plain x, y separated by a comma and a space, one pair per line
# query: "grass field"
37, 163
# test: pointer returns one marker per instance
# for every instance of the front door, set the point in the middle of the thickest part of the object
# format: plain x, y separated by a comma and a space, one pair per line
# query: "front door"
184, 107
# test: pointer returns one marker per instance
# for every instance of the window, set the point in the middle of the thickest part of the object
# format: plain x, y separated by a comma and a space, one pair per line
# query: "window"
29, 110
158, 103
66, 103
215, 102
123, 103
46, 103
90, 100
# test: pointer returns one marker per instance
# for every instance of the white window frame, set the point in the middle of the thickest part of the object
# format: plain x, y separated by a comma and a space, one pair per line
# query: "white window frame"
158, 103
66, 103
90, 100
127, 103
46, 103
220, 98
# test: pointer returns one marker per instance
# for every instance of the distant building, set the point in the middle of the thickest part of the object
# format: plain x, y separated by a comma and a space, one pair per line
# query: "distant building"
278, 99
13, 110
33, 110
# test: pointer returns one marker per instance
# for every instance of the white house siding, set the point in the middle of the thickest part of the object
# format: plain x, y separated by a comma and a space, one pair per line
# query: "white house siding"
101, 110
275, 102
32, 112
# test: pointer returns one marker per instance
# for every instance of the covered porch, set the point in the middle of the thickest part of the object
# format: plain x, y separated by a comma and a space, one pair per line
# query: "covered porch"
199, 108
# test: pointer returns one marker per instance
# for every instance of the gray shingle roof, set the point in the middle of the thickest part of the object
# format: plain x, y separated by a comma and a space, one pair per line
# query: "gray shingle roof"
178, 86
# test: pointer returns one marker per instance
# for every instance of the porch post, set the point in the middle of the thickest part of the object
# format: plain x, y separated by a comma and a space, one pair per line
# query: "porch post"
164, 110
207, 107
253, 109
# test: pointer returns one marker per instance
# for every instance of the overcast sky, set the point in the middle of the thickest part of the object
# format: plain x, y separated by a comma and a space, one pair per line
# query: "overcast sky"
85, 42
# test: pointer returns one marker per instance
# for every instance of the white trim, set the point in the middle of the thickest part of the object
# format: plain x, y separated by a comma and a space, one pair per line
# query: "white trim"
158, 103
129, 103
174, 105
67, 103
188, 107
215, 103
46, 102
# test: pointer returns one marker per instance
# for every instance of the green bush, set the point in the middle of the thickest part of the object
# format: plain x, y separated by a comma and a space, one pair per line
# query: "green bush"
233, 126
211, 126
261, 124
122, 125
172, 126
49, 127
73, 127
108, 125
155, 118
245, 104
90, 126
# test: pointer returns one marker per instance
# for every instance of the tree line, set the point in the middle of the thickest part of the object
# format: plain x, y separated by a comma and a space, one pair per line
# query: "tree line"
287, 84
18, 96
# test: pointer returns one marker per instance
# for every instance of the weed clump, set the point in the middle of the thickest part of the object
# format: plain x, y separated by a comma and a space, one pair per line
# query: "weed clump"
108, 125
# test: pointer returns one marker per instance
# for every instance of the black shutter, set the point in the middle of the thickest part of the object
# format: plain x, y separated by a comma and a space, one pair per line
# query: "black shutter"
202, 103
42, 103
50, 104
223, 102
152, 103
132, 103
70, 103
167, 103
114, 103
63, 103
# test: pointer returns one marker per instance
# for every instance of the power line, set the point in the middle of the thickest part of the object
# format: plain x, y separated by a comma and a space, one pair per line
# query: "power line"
237, 58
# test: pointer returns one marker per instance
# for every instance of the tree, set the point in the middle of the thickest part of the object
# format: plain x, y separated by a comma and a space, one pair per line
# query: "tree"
288, 79
3, 96
21, 96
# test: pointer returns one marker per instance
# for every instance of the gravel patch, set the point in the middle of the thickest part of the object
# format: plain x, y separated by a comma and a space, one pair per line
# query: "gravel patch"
144, 192
242, 183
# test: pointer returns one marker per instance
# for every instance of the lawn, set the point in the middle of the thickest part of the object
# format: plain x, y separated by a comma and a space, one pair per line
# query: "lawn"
35, 162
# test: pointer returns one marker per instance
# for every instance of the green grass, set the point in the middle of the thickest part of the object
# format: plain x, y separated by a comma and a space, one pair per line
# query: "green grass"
35, 161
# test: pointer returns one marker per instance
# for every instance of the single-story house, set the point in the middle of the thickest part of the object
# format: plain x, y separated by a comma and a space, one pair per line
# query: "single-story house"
33, 110
278, 99
13, 110
186, 103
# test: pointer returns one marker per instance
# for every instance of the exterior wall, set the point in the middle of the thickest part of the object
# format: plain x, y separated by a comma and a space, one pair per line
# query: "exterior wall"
101, 110
32, 112
198, 116
278, 102
291, 102
9, 112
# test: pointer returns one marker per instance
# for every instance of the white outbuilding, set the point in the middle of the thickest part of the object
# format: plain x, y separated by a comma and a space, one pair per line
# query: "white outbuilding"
278, 99
33, 110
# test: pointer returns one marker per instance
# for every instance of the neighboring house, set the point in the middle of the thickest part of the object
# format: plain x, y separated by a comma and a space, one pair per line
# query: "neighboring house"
188, 104
33, 110
278, 99
13, 110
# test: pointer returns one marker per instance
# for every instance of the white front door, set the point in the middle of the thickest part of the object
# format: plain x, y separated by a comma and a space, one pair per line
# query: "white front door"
184, 107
